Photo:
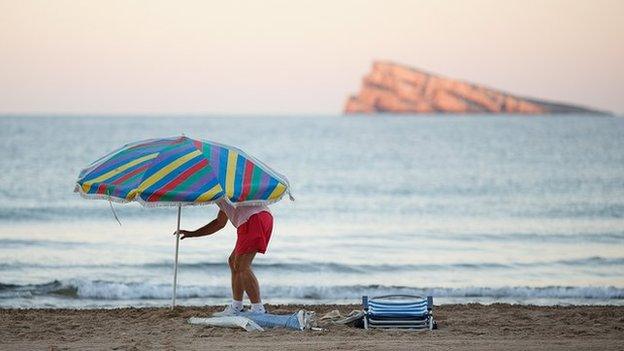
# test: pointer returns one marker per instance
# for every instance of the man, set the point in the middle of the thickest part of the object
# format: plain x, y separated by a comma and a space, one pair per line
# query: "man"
254, 225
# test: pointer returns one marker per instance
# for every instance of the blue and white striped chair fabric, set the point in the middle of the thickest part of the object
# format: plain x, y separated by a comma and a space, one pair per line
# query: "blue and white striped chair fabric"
398, 311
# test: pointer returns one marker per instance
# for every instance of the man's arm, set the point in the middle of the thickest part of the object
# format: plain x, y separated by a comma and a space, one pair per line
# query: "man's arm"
214, 226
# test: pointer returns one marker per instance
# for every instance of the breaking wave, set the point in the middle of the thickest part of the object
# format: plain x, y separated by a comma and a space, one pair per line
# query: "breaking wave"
106, 290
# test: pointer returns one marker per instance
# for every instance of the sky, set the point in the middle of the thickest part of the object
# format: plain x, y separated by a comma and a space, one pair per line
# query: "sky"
295, 56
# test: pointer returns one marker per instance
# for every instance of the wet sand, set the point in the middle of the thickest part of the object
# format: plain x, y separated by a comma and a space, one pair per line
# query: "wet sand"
461, 327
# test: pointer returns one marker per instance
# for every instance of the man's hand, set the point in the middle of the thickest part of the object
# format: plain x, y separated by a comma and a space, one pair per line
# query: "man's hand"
209, 229
186, 234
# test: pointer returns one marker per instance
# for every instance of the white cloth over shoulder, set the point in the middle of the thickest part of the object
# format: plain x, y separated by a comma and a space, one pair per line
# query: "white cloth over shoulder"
229, 322
239, 215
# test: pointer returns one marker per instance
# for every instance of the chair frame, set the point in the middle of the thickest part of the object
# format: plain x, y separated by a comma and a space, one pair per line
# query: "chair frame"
403, 322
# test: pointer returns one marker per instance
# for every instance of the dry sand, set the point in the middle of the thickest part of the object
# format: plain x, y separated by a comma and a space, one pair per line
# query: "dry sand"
472, 326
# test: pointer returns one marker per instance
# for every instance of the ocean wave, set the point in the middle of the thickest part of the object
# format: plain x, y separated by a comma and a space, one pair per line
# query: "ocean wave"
107, 290
70, 209
595, 237
313, 267
602, 238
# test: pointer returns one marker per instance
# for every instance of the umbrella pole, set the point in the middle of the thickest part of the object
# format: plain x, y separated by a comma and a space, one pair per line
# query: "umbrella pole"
175, 263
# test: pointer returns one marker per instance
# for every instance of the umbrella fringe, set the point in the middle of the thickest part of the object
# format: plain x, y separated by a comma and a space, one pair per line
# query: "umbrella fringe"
99, 196
78, 189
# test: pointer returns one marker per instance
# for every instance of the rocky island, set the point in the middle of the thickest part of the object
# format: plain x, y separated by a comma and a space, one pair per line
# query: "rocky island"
395, 88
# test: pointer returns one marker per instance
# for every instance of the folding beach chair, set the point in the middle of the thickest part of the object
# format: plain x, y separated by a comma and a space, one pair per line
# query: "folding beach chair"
398, 311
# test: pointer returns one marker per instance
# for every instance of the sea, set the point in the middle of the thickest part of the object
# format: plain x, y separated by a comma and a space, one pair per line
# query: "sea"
487, 209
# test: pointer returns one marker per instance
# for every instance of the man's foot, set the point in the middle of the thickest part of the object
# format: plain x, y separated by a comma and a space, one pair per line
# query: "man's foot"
257, 308
228, 311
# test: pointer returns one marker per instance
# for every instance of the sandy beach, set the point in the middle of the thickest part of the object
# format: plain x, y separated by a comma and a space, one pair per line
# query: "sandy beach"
461, 327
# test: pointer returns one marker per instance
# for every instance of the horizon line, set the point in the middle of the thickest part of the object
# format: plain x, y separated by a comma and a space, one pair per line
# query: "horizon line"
161, 114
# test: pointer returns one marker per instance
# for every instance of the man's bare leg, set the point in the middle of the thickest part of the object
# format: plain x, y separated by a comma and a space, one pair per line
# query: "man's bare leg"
238, 287
242, 267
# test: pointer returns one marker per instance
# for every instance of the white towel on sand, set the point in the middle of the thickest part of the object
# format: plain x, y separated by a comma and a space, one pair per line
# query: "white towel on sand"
230, 321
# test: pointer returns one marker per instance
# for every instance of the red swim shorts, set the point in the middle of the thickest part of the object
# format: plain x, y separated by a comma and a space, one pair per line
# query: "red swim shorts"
254, 235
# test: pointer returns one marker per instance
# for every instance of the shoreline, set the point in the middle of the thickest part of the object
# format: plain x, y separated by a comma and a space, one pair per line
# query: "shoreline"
461, 326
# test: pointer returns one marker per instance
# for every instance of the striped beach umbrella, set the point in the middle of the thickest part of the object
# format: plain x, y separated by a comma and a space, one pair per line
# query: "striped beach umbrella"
180, 171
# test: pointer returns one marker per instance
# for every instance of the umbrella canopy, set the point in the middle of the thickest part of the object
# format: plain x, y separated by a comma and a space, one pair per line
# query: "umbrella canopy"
181, 171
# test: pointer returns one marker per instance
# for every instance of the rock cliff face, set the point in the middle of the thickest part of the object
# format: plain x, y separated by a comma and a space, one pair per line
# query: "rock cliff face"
394, 88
